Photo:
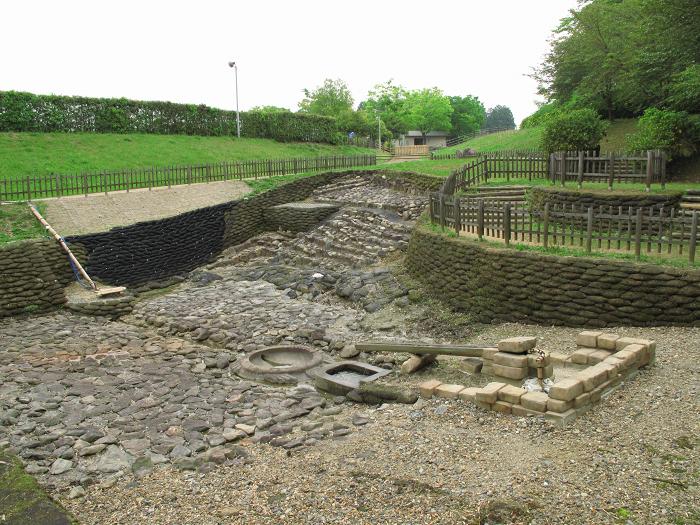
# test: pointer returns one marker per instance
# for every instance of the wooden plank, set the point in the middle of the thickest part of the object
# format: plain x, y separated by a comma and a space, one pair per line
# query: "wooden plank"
425, 349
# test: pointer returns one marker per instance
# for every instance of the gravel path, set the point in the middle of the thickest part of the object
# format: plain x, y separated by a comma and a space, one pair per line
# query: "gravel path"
634, 458
98, 212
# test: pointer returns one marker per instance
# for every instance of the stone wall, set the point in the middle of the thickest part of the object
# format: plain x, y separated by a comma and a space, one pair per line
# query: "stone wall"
33, 275
559, 196
297, 216
507, 285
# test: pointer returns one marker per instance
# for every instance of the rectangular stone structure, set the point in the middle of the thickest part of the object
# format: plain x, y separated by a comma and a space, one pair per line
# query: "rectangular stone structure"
517, 345
588, 338
566, 389
448, 391
509, 372
513, 360
534, 401
607, 341
556, 405
428, 387
597, 356
502, 406
468, 394
510, 394
580, 356
489, 394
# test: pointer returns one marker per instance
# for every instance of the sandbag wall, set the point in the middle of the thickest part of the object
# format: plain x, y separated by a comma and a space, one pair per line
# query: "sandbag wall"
33, 275
505, 285
559, 196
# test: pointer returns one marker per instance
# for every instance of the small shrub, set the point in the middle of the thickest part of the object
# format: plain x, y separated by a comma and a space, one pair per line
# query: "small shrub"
676, 132
580, 129
544, 114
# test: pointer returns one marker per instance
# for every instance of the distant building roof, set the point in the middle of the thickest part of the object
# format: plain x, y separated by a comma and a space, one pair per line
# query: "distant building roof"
414, 133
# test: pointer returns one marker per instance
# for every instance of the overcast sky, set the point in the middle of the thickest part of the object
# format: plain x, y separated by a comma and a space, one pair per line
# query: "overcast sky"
178, 51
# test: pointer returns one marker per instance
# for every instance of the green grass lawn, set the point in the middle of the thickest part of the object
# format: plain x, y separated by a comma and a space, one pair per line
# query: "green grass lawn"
436, 168
23, 154
598, 187
17, 223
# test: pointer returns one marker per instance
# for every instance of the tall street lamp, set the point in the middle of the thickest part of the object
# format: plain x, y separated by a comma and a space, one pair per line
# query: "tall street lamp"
238, 115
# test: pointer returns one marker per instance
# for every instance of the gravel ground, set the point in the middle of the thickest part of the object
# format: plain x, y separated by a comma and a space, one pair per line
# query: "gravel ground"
635, 458
98, 212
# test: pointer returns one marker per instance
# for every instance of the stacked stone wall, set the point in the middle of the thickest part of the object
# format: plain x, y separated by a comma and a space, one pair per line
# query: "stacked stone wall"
502, 285
560, 196
33, 275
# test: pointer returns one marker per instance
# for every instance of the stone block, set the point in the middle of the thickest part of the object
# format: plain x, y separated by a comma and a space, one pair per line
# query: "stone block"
502, 406
468, 394
592, 377
624, 342
517, 345
488, 353
533, 362
534, 401
627, 358
509, 372
582, 400
561, 418
566, 389
472, 365
521, 411
640, 352
447, 391
607, 341
487, 370
588, 338
580, 356
510, 394
512, 360
559, 357
489, 394
427, 388
597, 392
557, 405
481, 404
548, 371
598, 356
610, 369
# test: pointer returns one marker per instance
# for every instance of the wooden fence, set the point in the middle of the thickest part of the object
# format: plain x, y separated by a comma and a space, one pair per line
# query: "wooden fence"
56, 185
411, 151
641, 230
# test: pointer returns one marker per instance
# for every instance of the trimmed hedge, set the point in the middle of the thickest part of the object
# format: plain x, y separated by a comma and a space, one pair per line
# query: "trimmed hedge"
20, 111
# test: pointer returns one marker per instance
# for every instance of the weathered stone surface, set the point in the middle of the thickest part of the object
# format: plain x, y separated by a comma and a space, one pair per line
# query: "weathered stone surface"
448, 391
607, 341
566, 389
427, 388
489, 394
510, 372
536, 401
588, 338
510, 394
517, 345
512, 360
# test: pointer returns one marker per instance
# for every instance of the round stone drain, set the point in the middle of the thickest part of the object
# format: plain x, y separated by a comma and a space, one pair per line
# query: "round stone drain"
279, 364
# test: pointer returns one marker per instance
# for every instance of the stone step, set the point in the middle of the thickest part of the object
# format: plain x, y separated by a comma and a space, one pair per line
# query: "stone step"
690, 198
690, 205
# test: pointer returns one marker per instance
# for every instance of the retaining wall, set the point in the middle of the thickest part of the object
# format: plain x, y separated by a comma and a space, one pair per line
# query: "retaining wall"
33, 275
506, 285
559, 196
297, 216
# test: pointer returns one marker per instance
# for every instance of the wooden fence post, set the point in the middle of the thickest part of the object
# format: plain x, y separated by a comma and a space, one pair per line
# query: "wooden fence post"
693, 238
611, 175
638, 235
589, 230
650, 169
580, 169
431, 207
85, 184
562, 168
442, 211
506, 223
663, 169
545, 220
480, 221
457, 215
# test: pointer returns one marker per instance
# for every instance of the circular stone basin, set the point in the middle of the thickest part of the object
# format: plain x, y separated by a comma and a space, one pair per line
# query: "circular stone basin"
279, 364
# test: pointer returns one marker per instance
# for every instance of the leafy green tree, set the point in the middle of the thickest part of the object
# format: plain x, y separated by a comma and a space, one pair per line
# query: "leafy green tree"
499, 117
674, 131
581, 129
269, 109
330, 99
468, 115
428, 110
388, 101
684, 90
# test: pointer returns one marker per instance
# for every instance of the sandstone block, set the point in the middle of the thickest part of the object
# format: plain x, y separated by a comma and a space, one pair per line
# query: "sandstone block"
559, 357
427, 388
521, 411
557, 405
566, 389
592, 377
488, 353
472, 365
517, 345
534, 401
597, 356
489, 394
509, 372
510, 394
468, 394
582, 400
588, 338
627, 358
561, 418
580, 356
512, 360
448, 391
607, 341
502, 406
624, 342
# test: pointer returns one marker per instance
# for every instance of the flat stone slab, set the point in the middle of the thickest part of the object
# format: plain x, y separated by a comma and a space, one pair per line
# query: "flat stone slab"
342, 377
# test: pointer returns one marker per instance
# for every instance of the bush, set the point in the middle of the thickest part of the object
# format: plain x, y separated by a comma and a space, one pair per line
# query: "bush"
50, 113
676, 132
540, 117
576, 130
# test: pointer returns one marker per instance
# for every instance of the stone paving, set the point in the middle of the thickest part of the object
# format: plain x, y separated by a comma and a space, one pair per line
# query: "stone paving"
87, 400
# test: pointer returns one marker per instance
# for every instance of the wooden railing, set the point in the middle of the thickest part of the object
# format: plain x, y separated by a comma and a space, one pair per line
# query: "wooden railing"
411, 151
639, 230
56, 185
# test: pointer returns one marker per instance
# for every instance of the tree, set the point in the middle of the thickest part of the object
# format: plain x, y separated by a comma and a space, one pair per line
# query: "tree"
576, 130
674, 131
388, 101
331, 99
428, 110
269, 109
468, 115
499, 117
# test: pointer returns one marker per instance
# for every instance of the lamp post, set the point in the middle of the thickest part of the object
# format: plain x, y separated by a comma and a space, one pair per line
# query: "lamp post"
238, 115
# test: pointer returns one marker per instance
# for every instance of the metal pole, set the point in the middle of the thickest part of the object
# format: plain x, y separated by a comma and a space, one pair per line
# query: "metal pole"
379, 132
238, 115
